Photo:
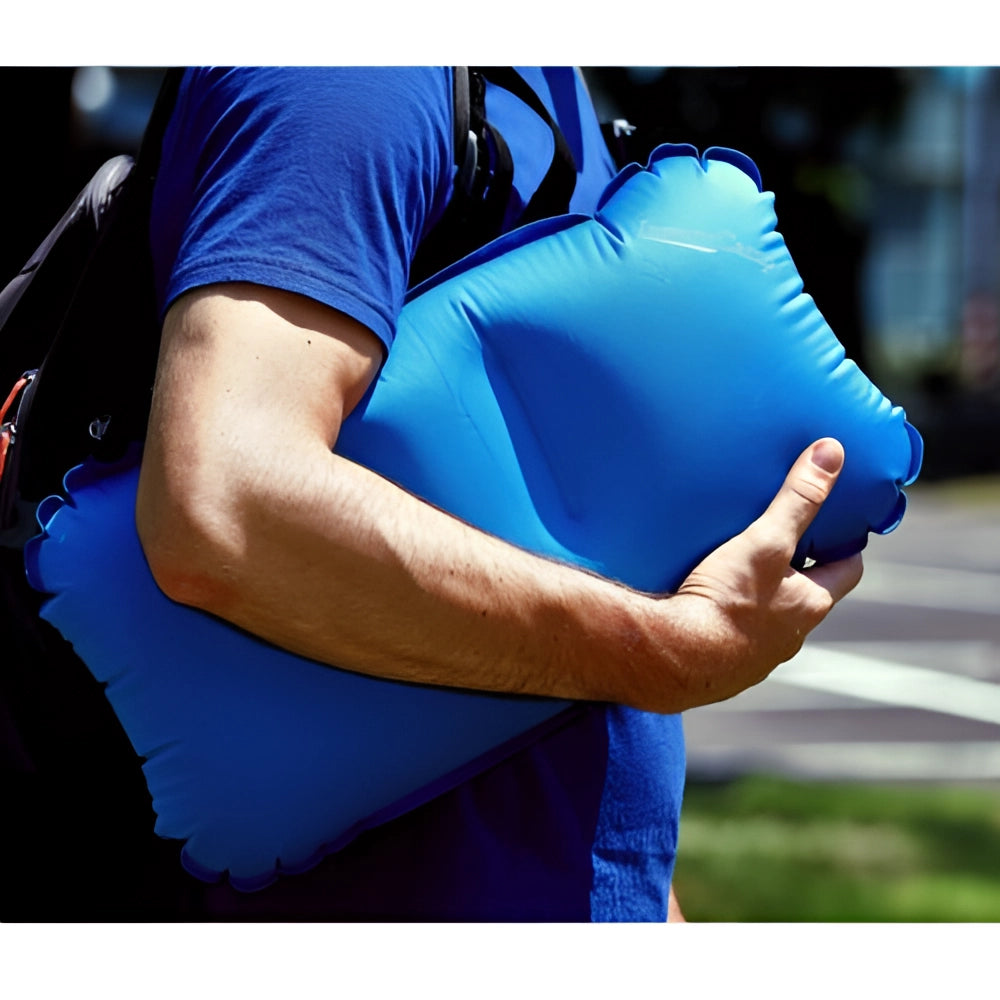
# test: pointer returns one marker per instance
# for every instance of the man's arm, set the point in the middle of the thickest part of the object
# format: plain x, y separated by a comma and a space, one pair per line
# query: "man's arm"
245, 512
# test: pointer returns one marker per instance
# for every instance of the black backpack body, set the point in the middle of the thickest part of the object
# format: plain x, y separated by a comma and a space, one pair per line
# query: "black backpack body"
78, 342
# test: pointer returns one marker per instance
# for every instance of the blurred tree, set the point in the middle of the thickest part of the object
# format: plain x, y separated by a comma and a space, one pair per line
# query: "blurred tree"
797, 124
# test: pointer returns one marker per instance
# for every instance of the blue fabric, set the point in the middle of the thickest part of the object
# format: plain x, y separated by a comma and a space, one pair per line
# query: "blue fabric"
511, 844
282, 176
637, 829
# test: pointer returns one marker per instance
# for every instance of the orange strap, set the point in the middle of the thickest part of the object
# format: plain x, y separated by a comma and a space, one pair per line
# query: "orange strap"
18, 386
5, 431
4, 442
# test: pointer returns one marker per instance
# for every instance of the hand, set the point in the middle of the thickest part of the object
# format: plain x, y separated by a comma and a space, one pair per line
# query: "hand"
744, 606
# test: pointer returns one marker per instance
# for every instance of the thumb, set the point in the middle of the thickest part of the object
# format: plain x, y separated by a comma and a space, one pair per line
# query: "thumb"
805, 488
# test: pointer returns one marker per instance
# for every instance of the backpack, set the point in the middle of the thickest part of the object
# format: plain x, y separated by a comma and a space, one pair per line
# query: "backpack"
79, 338
78, 323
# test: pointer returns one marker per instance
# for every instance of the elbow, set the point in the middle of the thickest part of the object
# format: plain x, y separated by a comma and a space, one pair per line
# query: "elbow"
185, 545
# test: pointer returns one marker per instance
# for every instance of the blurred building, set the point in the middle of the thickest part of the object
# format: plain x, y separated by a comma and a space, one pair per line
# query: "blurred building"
887, 184
932, 273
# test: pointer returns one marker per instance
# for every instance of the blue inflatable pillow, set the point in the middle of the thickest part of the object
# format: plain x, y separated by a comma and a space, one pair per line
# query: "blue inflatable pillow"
624, 392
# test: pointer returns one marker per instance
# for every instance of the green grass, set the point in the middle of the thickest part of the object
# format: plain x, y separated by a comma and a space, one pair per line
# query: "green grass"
763, 849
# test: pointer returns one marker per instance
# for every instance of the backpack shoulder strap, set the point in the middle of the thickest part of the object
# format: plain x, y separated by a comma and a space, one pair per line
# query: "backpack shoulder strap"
485, 173
78, 329
553, 195
151, 147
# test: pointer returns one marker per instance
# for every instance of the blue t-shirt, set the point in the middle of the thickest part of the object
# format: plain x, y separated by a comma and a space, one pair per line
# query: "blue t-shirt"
323, 181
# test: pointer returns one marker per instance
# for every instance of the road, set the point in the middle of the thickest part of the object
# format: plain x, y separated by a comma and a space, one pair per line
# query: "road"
902, 681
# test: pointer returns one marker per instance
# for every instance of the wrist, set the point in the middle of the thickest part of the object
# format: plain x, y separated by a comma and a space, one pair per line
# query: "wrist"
629, 653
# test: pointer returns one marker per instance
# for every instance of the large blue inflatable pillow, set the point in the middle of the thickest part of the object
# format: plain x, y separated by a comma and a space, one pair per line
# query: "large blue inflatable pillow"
624, 392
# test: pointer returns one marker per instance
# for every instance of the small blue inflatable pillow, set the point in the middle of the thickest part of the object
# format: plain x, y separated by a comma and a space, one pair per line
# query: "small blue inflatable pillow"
624, 392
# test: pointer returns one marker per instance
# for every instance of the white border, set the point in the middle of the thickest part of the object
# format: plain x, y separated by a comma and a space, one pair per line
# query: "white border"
498, 962
785, 33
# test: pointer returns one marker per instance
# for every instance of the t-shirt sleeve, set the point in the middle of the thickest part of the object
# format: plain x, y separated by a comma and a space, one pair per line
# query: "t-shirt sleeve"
315, 180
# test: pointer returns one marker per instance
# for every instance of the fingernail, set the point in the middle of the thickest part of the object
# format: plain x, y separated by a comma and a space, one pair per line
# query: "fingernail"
827, 455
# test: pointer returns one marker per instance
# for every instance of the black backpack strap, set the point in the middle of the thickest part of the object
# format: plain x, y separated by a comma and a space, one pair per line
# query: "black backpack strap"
80, 317
475, 209
464, 138
485, 173
147, 160
553, 195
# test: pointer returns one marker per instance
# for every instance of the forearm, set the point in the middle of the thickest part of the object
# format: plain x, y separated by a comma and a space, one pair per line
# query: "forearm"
329, 560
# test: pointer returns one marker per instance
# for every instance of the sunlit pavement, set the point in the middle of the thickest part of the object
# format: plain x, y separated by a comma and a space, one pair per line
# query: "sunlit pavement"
902, 681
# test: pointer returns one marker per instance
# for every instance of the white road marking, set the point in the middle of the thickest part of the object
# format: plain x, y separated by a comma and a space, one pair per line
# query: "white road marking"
970, 658
928, 587
861, 675
853, 674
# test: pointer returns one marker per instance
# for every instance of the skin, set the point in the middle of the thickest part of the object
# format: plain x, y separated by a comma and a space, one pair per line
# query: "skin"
674, 914
243, 511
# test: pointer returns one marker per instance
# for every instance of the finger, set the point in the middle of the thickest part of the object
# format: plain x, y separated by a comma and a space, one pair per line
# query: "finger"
804, 490
838, 578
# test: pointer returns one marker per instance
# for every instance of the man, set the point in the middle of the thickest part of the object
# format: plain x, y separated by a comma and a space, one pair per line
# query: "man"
289, 207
